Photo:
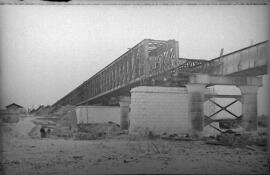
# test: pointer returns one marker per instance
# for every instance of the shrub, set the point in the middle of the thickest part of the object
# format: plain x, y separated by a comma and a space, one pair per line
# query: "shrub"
262, 121
10, 118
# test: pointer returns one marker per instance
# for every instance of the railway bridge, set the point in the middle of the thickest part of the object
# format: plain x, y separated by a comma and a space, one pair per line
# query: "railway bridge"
157, 63
144, 64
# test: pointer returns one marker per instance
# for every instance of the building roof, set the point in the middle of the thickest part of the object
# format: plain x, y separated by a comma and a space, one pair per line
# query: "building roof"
14, 104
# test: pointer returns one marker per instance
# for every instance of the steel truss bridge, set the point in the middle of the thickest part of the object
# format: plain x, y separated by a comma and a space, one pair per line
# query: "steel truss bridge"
157, 63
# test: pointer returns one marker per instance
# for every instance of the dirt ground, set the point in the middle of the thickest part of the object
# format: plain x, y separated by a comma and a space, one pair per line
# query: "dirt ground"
22, 154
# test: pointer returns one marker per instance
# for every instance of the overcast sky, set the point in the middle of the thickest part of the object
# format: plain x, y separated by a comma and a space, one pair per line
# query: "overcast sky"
46, 51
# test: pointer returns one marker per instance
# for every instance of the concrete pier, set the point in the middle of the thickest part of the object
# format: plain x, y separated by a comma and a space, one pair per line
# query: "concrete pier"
124, 102
196, 94
249, 107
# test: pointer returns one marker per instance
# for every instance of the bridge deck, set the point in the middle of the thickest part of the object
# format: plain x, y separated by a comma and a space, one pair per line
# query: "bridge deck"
148, 58
249, 61
153, 58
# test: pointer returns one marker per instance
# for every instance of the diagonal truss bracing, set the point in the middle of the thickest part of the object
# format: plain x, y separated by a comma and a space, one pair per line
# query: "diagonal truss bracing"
147, 59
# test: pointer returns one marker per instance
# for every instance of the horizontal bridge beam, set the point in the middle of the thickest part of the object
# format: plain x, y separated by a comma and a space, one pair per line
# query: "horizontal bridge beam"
225, 80
245, 60
208, 96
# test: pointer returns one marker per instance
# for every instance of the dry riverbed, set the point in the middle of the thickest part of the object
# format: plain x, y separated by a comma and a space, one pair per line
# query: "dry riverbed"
22, 154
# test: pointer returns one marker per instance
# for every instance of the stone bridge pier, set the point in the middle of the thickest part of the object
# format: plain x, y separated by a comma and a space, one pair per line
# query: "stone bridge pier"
249, 107
124, 102
196, 92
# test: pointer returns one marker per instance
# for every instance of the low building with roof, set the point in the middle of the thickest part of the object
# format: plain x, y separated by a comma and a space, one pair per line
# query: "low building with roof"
15, 108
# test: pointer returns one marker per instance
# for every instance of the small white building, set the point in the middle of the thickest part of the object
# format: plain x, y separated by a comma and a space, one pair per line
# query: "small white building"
15, 108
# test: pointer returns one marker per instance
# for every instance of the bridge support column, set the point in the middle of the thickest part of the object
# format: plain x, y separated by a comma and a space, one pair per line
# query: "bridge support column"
196, 94
124, 102
249, 107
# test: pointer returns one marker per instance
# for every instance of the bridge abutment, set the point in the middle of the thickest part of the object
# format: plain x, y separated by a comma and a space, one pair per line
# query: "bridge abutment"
124, 102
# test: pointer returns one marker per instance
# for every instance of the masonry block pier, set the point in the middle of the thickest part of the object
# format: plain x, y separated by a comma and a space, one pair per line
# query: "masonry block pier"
159, 109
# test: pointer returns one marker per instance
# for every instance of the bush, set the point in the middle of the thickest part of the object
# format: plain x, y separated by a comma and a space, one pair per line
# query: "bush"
240, 140
10, 118
157, 146
85, 136
262, 121
143, 132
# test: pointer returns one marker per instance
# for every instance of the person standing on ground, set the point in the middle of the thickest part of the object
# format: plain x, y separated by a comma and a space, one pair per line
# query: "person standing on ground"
42, 132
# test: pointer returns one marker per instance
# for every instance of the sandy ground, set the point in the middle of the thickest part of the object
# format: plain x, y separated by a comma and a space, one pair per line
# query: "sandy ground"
22, 154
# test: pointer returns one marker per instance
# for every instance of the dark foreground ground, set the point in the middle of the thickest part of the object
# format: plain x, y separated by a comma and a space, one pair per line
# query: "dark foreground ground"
22, 154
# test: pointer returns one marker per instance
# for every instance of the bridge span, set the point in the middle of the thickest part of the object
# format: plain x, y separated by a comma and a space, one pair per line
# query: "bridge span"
157, 63
137, 66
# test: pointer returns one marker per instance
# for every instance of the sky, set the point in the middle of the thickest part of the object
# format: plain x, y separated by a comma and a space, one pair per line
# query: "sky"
47, 51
